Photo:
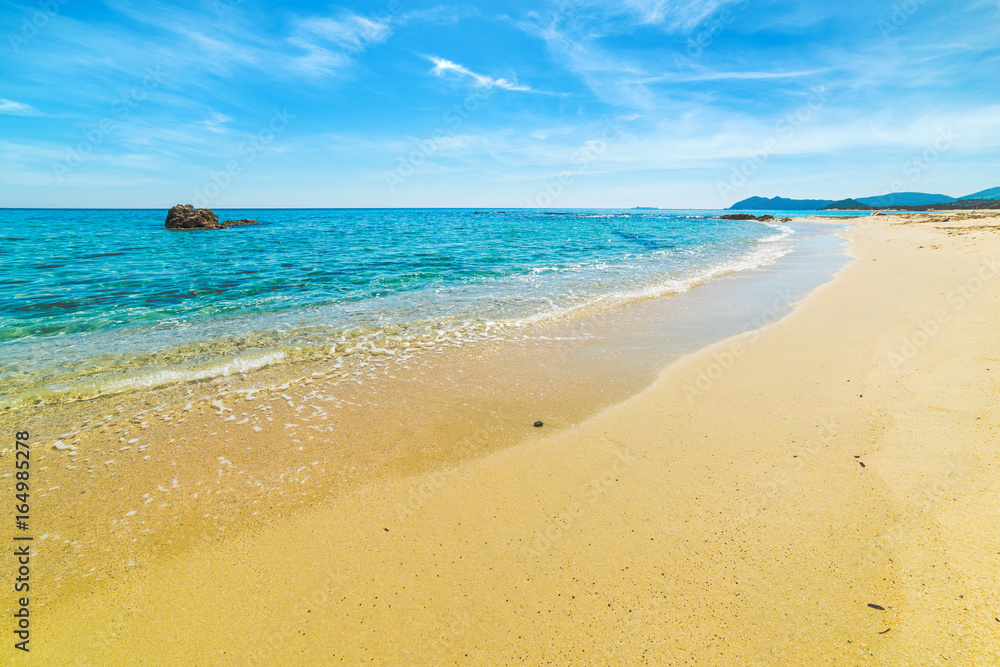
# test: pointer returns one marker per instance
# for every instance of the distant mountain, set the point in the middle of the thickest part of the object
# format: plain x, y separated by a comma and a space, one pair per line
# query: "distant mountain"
779, 204
847, 205
958, 204
992, 193
891, 200
905, 199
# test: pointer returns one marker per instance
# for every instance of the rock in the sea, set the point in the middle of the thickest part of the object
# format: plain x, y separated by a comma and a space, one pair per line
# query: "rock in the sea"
745, 216
186, 216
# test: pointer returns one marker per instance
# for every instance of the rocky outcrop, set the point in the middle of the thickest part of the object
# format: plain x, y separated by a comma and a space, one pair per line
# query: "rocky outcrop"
745, 216
186, 216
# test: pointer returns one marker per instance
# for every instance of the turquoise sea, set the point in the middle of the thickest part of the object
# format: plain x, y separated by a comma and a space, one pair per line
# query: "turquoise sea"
102, 301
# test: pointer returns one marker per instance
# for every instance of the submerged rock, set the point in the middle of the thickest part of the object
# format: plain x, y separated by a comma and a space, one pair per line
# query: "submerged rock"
239, 223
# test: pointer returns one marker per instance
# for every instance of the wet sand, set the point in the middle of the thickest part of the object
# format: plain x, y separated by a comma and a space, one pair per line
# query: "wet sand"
722, 515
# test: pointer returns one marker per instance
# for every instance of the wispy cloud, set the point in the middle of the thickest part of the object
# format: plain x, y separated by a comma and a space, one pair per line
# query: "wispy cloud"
443, 68
702, 82
734, 76
348, 31
12, 108
312, 45
331, 44
612, 77
681, 15
217, 122
317, 60
622, 16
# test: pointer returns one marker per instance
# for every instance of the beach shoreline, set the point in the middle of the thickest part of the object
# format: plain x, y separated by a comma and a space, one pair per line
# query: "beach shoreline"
721, 513
190, 465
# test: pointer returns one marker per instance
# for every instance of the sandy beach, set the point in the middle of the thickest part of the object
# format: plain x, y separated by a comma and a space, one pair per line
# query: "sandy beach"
823, 490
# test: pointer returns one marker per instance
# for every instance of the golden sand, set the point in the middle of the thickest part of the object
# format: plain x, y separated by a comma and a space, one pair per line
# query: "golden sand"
746, 508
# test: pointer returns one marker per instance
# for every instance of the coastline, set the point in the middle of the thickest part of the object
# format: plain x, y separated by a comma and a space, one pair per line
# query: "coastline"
670, 525
272, 309
158, 473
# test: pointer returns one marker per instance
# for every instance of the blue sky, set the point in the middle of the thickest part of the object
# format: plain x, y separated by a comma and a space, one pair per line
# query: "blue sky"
578, 103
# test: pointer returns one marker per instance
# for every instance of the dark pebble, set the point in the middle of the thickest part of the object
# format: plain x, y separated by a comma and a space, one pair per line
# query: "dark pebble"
885, 631
537, 424
856, 456
876, 606
861, 463
386, 530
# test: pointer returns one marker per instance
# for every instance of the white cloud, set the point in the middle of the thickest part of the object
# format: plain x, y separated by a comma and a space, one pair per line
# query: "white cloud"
317, 61
349, 31
328, 41
683, 15
670, 15
737, 76
217, 122
443, 67
12, 108
315, 46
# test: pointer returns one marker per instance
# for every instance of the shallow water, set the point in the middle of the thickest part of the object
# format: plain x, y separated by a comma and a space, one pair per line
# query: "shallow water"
103, 301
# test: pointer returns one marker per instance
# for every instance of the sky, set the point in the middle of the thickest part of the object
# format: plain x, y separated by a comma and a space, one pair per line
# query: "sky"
572, 103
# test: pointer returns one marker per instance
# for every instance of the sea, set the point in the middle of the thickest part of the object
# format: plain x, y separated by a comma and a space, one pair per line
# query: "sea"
99, 302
